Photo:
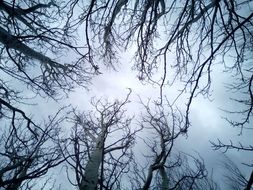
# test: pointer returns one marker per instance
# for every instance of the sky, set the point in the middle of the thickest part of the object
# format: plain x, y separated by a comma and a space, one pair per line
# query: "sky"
207, 123
206, 115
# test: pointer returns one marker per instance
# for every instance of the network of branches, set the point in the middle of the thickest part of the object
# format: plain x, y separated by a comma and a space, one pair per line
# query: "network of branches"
49, 48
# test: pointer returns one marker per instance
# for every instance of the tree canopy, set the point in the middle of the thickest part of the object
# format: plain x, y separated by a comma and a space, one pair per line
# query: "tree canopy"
49, 48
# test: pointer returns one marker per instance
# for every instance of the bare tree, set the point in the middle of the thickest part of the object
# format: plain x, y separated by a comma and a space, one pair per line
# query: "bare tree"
166, 127
215, 30
183, 172
235, 179
26, 156
188, 38
100, 145
188, 172
33, 41
164, 169
32, 44
199, 34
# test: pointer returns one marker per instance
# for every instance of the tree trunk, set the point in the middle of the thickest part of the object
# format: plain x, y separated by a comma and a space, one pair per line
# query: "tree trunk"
149, 179
250, 182
90, 180
165, 180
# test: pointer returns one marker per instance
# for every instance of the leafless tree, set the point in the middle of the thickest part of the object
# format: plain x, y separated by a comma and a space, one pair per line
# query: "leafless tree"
35, 35
191, 39
166, 127
183, 172
33, 41
26, 156
235, 179
164, 169
188, 172
100, 145
199, 34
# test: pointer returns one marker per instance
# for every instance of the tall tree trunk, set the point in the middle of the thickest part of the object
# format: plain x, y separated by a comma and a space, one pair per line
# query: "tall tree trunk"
149, 179
165, 180
90, 180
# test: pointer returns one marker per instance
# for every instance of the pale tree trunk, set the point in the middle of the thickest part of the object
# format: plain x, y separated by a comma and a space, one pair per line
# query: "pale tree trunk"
90, 179
165, 180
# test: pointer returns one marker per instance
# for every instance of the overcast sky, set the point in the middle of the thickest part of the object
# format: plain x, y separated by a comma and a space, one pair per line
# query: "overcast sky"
206, 115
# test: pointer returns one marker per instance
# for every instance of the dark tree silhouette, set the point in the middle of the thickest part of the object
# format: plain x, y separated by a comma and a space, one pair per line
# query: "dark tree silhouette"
165, 168
190, 39
99, 148
166, 128
199, 34
234, 178
26, 156
33, 44
33, 41
182, 41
